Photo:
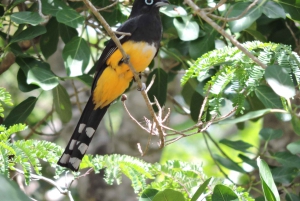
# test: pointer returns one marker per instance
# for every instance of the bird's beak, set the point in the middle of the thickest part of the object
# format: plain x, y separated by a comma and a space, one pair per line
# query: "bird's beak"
162, 3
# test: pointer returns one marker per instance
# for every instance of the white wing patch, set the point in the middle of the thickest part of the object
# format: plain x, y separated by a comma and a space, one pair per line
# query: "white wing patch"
64, 159
75, 162
71, 147
82, 148
81, 127
89, 131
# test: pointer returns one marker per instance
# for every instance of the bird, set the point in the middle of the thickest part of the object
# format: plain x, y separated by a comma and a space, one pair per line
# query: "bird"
113, 75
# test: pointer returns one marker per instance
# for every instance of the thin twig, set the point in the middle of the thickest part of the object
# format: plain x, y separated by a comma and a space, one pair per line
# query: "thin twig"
76, 96
109, 6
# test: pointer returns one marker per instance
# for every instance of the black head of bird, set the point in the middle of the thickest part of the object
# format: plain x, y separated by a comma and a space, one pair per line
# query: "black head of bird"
145, 6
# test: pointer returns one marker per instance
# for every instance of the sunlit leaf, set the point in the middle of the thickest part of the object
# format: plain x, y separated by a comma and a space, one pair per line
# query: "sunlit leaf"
168, 195
187, 29
280, 81
29, 33
223, 193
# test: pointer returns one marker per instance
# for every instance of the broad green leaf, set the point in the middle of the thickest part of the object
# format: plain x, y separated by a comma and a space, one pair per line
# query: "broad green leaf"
195, 106
173, 11
256, 34
223, 193
20, 113
269, 134
159, 87
148, 194
228, 163
247, 160
280, 81
287, 159
246, 117
51, 7
273, 9
62, 103
88, 80
22, 82
284, 175
168, 195
10, 191
70, 18
296, 123
26, 17
66, 33
48, 41
269, 187
268, 97
29, 33
204, 44
294, 147
42, 77
292, 197
76, 55
237, 145
187, 29
200, 190
292, 10
245, 21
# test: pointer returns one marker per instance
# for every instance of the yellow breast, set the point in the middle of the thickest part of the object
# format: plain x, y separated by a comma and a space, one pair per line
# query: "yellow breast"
115, 78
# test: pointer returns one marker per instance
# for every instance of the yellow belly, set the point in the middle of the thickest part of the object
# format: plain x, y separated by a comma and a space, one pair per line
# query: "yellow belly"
115, 78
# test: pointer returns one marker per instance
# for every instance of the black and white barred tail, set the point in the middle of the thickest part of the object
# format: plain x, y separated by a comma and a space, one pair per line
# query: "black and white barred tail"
82, 136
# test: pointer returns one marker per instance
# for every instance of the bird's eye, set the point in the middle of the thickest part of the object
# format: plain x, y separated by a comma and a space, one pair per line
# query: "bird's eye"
149, 3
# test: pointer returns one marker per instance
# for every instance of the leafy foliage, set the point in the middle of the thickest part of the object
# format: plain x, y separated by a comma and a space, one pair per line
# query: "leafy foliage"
5, 97
239, 76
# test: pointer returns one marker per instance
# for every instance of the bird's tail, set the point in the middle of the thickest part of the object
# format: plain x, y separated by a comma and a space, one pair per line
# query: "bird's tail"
82, 136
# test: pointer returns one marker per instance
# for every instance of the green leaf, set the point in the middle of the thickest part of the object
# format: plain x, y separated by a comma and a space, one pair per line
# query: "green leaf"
268, 97
148, 194
159, 87
76, 55
245, 21
237, 145
294, 147
269, 134
70, 18
49, 40
204, 44
20, 113
287, 159
280, 81
269, 187
273, 10
42, 77
223, 193
246, 117
257, 35
291, 9
228, 163
66, 33
173, 11
284, 175
195, 106
168, 195
26, 17
292, 197
296, 123
186, 28
247, 160
29, 33
87, 79
22, 82
10, 191
200, 190
51, 7
62, 103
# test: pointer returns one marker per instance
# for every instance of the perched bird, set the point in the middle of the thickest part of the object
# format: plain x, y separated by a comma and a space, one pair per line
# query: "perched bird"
113, 75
